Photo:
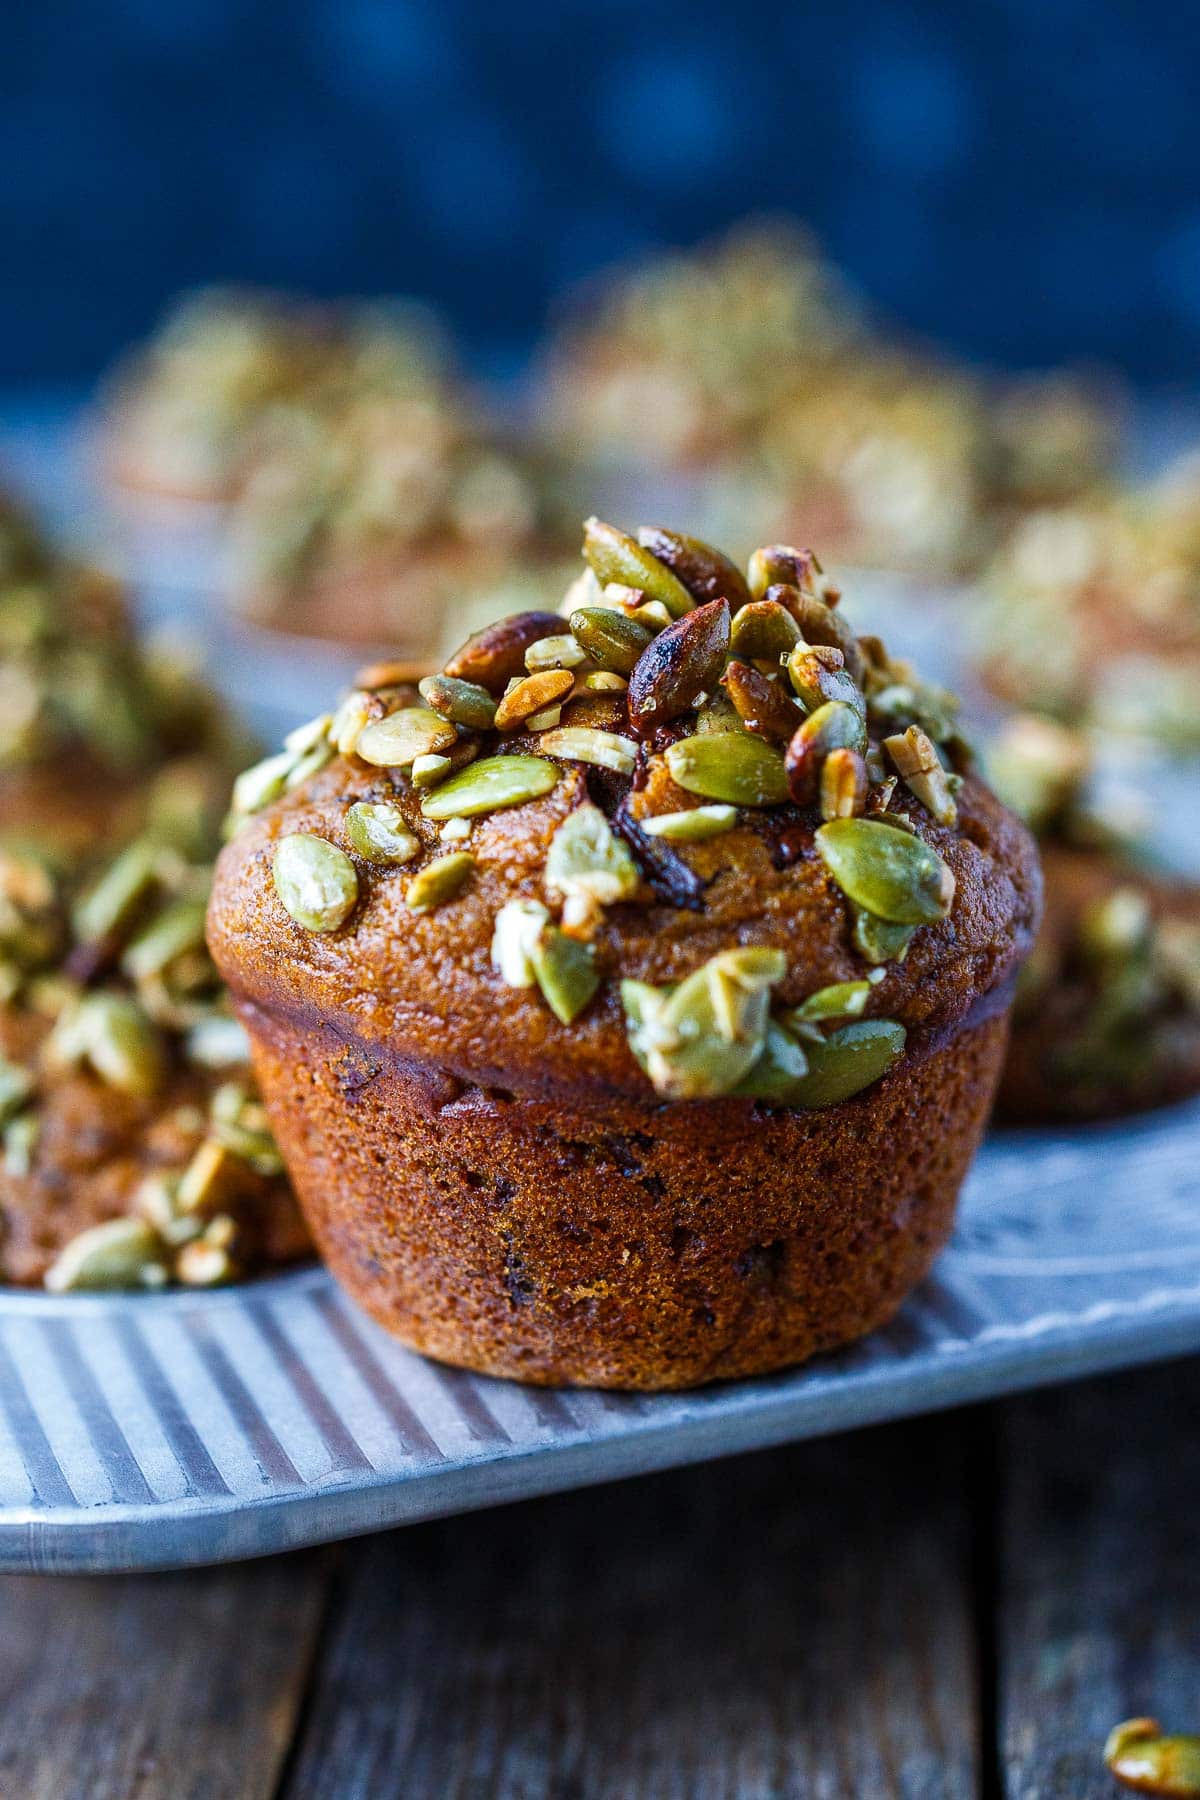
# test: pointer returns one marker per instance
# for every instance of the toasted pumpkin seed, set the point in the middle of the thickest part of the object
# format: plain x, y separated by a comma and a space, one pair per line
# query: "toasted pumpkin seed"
730, 766
586, 857
877, 941
462, 702
565, 971
820, 624
818, 673
680, 664
834, 726
308, 765
896, 876
202, 1264
843, 787
495, 654
515, 931
848, 1061
351, 719
531, 695
691, 827
916, 759
122, 1253
377, 831
489, 785
605, 681
610, 639
439, 881
764, 631
763, 704
1139, 1755
780, 565
315, 881
706, 573
396, 741
613, 556
562, 652
582, 743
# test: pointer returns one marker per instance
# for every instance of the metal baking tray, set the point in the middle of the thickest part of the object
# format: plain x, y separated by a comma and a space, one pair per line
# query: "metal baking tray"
160, 1431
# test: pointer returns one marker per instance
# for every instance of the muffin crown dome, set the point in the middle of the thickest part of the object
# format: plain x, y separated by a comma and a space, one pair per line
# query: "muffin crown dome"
689, 829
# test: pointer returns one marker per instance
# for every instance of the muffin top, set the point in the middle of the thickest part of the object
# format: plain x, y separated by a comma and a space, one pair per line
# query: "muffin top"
690, 836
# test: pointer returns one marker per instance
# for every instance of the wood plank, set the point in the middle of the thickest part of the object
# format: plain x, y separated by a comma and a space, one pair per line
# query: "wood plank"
1099, 1574
163, 1687
796, 1623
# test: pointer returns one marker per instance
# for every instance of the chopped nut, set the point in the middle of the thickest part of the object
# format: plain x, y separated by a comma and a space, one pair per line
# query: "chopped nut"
580, 743
530, 695
562, 652
916, 760
843, 789
518, 925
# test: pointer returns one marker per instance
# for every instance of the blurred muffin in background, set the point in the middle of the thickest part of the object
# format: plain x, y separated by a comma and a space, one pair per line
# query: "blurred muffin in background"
379, 521
676, 361
181, 415
1093, 611
1107, 1018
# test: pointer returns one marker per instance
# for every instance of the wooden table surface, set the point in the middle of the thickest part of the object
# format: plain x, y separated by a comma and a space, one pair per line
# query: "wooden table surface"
952, 1607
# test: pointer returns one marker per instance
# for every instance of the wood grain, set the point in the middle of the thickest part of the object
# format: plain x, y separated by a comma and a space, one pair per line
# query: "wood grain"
796, 1623
162, 1687
1099, 1574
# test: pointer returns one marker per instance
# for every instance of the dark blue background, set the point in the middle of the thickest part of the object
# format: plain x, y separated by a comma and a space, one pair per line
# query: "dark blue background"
1018, 179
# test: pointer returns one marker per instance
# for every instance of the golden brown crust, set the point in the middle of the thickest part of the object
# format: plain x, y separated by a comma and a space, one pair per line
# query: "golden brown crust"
622, 1243
418, 985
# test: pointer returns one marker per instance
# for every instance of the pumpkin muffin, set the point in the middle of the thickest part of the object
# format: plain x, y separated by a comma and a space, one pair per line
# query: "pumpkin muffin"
628, 1003
1107, 1016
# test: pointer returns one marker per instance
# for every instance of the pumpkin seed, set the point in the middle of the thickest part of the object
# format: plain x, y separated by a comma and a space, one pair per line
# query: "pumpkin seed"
613, 556
392, 673
679, 665
605, 681
565, 971
531, 695
820, 624
780, 565
610, 639
177, 929
217, 1043
308, 765
563, 652
315, 881
207, 1178
258, 786
119, 892
729, 766
834, 726
841, 1000
708, 1033
16, 1089
582, 743
455, 831
877, 941
428, 771
849, 1060
763, 705
546, 720
586, 857
495, 654
515, 931
122, 1253
462, 702
818, 674
891, 874
1115, 926
764, 631
1140, 1756
350, 720
20, 1143
691, 827
489, 785
916, 760
308, 736
397, 740
377, 831
114, 1036
706, 573
778, 1071
439, 881
843, 788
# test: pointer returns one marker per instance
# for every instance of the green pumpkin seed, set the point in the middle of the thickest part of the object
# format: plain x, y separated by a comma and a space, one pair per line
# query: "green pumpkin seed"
706, 573
123, 1253
177, 929
217, 1043
896, 876
565, 971
841, 1000
16, 1089
377, 832
516, 930
119, 892
586, 857
817, 677
691, 827
613, 641
586, 744
462, 702
315, 881
730, 766
429, 771
778, 1071
1141, 1756
397, 741
489, 785
848, 1061
112, 1034
613, 556
764, 631
439, 881
258, 786
707, 1033
877, 941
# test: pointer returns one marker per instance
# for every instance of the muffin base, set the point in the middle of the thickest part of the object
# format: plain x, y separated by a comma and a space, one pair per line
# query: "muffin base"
615, 1243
